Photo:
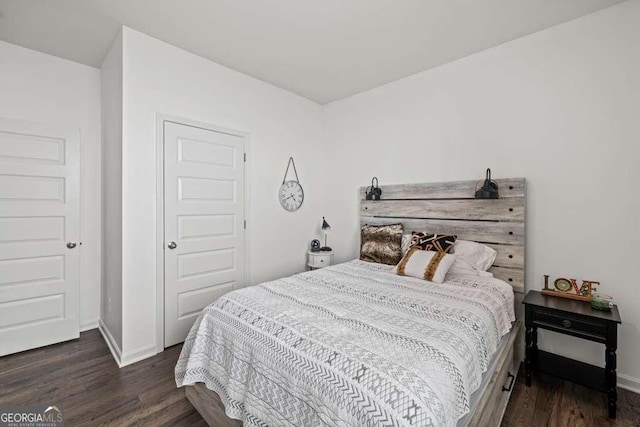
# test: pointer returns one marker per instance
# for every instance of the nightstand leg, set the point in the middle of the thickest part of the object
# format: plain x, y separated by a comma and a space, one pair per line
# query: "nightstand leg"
529, 354
610, 372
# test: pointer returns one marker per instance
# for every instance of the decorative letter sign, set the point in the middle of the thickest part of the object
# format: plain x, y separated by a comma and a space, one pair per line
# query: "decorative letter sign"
568, 288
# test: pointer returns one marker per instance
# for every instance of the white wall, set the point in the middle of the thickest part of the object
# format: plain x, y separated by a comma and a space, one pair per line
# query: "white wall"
560, 108
160, 78
42, 88
111, 99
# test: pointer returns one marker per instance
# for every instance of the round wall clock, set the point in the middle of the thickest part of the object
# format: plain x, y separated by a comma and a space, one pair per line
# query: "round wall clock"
291, 194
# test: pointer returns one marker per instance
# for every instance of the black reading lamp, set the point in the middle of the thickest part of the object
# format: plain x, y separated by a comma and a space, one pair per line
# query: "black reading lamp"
326, 228
374, 192
489, 189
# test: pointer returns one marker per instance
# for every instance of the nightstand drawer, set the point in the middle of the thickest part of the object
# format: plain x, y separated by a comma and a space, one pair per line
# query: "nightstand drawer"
320, 261
557, 320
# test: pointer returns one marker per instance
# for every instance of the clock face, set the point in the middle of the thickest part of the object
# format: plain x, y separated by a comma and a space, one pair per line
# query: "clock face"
291, 195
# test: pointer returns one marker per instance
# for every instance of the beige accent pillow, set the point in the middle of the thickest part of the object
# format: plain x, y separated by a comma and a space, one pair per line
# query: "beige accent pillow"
428, 265
381, 243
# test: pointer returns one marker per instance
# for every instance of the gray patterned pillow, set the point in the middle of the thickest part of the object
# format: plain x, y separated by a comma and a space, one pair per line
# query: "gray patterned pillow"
381, 243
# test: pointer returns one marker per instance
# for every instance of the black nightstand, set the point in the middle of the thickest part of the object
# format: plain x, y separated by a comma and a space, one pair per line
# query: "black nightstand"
578, 319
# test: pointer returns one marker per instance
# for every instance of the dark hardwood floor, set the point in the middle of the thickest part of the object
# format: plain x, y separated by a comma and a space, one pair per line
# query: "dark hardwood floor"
553, 402
81, 378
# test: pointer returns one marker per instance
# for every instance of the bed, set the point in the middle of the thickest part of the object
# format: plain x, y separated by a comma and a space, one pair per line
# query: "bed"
355, 344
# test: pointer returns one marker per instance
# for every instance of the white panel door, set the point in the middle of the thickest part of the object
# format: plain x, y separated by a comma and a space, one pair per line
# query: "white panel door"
204, 222
39, 232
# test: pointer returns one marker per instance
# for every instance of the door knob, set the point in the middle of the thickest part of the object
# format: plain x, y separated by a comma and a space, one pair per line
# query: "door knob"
71, 245
172, 245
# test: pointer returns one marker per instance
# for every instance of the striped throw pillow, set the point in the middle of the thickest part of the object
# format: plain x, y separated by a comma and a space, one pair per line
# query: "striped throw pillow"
433, 242
427, 265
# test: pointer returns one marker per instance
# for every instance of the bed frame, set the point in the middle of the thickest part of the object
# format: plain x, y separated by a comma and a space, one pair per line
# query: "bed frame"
448, 207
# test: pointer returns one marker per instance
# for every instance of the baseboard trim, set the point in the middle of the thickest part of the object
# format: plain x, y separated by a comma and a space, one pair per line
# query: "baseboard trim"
137, 355
88, 325
629, 383
111, 342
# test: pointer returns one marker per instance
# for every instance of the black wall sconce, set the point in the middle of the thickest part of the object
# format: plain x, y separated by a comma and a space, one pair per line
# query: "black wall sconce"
489, 189
374, 192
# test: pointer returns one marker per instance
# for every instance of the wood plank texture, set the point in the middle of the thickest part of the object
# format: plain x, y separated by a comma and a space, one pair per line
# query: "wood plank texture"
464, 209
494, 399
513, 276
209, 405
519, 345
81, 378
553, 402
509, 187
510, 256
510, 233
450, 207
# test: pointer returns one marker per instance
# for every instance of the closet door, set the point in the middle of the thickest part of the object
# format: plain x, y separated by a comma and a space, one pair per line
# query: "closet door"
204, 222
39, 235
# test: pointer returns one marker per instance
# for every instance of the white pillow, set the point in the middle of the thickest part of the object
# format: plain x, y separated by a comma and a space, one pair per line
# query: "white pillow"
428, 265
476, 255
461, 266
472, 256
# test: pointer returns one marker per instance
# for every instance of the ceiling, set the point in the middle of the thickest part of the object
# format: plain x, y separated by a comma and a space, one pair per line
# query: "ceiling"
323, 50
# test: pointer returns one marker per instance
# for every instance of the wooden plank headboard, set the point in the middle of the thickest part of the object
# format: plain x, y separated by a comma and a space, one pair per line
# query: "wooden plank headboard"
450, 207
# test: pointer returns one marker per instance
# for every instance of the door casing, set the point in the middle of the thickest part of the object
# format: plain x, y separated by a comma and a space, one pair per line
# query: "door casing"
161, 118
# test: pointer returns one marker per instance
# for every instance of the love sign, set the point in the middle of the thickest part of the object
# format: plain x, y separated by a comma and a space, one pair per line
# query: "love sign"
568, 288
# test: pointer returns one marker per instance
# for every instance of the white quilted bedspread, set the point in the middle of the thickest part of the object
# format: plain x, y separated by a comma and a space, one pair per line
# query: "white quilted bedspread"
348, 345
